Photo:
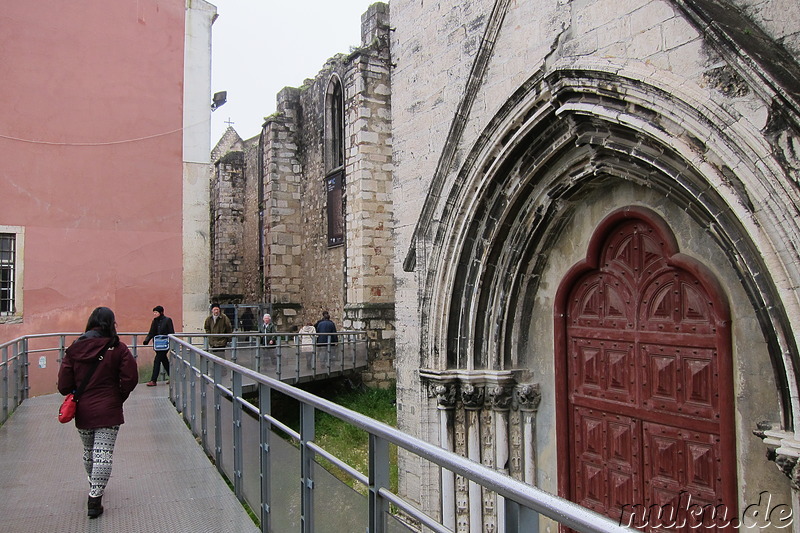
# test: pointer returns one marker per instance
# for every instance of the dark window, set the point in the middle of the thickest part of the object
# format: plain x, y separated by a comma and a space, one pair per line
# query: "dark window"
334, 126
335, 201
334, 161
7, 273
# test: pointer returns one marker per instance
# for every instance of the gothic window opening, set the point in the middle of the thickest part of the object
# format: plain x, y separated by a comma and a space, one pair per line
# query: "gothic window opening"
334, 161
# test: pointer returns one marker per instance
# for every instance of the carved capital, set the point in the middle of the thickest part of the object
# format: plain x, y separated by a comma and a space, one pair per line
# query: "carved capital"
528, 397
500, 397
445, 395
472, 396
783, 449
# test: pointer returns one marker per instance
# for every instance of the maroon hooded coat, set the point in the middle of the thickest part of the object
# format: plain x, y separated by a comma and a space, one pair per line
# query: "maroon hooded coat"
100, 404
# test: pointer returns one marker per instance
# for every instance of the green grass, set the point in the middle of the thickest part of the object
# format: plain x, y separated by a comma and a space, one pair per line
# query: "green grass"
351, 444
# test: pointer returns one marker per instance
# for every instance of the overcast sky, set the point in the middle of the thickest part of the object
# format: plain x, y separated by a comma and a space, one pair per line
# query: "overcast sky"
262, 46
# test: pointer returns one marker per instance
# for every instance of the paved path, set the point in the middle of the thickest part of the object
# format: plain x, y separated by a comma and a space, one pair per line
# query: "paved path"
161, 480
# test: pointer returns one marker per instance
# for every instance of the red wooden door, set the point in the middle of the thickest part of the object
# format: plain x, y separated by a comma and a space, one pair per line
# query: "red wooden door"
644, 347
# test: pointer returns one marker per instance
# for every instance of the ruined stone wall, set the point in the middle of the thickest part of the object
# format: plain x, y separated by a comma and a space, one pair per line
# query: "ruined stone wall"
323, 266
227, 230
283, 175
303, 274
252, 279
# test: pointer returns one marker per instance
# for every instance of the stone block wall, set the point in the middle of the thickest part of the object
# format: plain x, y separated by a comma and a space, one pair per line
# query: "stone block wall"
282, 171
284, 199
227, 230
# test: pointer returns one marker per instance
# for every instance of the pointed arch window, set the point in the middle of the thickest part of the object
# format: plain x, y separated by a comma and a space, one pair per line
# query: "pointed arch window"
334, 161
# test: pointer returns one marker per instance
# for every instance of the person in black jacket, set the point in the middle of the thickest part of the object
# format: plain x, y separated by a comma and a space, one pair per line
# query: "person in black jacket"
161, 325
327, 343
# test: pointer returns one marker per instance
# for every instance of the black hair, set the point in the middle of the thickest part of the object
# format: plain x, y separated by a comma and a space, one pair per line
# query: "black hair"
104, 322
159, 309
326, 315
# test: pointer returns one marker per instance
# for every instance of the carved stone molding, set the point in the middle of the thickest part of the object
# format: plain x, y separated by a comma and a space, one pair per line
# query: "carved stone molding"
445, 395
472, 397
528, 397
500, 397
783, 449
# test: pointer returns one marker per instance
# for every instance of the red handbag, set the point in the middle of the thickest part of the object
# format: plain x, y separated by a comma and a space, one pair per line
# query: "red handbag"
67, 410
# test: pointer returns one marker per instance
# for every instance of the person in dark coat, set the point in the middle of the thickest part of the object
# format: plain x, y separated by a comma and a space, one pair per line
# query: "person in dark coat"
326, 325
99, 411
161, 325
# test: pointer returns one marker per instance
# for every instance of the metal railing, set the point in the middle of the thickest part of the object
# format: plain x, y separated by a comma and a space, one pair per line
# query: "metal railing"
243, 437
289, 357
16, 356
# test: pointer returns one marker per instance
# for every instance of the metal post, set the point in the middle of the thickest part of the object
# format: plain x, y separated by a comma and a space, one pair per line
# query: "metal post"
62, 348
278, 361
265, 427
238, 443
218, 417
378, 479
180, 373
192, 386
297, 355
520, 519
306, 468
25, 367
204, 403
4, 386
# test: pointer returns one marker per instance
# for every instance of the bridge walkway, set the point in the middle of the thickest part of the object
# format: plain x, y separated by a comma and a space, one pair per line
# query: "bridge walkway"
162, 481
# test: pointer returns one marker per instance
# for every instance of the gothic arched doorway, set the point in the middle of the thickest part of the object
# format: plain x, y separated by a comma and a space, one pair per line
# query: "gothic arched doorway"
645, 380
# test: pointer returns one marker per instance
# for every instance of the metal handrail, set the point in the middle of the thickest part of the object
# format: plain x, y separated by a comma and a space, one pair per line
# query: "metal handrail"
201, 369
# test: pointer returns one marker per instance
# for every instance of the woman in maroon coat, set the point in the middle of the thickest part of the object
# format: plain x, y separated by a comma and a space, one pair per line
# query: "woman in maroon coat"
99, 411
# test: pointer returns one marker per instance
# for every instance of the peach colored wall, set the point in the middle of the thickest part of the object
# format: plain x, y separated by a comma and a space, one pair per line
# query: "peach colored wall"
90, 144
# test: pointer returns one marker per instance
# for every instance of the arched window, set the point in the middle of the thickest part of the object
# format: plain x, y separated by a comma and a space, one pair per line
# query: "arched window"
334, 160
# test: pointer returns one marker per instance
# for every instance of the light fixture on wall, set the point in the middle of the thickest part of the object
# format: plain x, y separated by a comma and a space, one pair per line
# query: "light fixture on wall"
219, 99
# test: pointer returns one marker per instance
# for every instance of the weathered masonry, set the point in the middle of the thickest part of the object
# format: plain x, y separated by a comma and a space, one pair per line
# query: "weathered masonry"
302, 214
580, 220
597, 239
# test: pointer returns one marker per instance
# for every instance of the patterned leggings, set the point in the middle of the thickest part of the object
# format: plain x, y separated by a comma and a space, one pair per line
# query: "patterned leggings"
98, 452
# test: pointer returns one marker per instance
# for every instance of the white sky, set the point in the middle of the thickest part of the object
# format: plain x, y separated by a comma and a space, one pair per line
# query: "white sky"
262, 46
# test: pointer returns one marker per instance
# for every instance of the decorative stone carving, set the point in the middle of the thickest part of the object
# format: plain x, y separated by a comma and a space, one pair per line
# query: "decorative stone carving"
783, 449
500, 397
528, 397
445, 395
472, 396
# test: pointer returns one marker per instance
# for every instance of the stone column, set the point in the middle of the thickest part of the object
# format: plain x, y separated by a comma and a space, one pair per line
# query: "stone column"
473, 397
446, 403
501, 404
528, 398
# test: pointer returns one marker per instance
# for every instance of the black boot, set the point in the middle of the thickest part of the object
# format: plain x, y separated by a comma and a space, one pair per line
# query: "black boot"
95, 506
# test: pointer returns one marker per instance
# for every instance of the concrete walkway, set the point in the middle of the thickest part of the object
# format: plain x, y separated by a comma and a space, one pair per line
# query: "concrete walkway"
161, 479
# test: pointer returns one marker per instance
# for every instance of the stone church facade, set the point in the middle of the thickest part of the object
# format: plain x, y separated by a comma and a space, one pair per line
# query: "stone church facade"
594, 242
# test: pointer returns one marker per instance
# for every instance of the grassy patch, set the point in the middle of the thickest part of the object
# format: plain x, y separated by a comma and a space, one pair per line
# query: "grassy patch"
351, 444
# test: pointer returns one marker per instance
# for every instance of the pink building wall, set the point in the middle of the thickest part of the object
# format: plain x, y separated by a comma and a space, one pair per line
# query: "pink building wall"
91, 151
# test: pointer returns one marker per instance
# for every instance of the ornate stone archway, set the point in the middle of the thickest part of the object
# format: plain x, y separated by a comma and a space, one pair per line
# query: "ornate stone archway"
489, 241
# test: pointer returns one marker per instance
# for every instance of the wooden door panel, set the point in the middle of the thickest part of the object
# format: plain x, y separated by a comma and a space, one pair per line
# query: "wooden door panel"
644, 342
608, 458
604, 370
678, 460
681, 380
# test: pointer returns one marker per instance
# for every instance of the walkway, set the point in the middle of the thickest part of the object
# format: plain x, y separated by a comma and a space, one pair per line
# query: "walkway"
161, 481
